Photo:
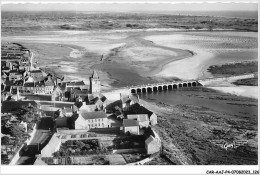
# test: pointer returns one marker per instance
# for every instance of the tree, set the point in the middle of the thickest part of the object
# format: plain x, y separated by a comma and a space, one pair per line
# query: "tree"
5, 140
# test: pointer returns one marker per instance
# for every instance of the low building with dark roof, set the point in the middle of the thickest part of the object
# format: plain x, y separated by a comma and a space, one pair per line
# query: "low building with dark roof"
91, 120
131, 126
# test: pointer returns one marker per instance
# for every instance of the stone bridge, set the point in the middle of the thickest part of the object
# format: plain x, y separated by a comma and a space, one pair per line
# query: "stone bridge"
162, 86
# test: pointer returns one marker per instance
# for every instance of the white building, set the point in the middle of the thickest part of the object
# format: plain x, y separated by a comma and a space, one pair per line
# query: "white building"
89, 120
131, 126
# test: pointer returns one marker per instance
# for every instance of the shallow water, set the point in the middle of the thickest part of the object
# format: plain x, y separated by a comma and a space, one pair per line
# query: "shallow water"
210, 99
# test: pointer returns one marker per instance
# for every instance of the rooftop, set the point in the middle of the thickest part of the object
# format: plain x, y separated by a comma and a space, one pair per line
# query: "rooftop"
129, 122
94, 115
76, 83
149, 140
94, 75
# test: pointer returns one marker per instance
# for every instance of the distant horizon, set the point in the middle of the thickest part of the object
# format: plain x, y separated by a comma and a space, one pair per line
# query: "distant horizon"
227, 13
132, 7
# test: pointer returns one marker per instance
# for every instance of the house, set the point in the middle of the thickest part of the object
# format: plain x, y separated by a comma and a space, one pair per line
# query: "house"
57, 94
67, 112
141, 118
75, 84
128, 101
39, 87
125, 102
75, 93
82, 107
28, 87
91, 120
152, 145
61, 122
15, 75
53, 146
36, 74
153, 119
49, 85
131, 126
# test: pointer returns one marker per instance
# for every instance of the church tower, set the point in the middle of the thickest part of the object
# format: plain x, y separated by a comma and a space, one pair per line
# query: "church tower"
94, 83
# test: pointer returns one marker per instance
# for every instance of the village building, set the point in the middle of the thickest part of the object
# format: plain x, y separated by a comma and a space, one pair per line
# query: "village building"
94, 81
76, 93
57, 94
28, 87
53, 146
153, 119
39, 88
131, 126
75, 84
49, 85
15, 75
36, 74
128, 101
91, 120
152, 145
142, 119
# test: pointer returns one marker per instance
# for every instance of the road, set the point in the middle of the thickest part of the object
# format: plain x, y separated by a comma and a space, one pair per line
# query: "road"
40, 139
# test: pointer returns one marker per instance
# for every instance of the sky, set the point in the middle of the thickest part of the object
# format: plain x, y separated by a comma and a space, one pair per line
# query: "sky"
123, 6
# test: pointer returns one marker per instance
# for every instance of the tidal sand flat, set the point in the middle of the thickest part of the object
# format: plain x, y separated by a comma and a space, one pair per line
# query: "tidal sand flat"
210, 48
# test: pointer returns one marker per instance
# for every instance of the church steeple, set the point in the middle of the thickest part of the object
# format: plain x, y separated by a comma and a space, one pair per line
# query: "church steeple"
94, 83
95, 75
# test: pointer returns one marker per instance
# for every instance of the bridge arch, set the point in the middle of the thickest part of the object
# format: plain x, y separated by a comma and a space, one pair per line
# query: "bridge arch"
194, 83
175, 86
180, 85
165, 87
139, 90
144, 90
133, 91
184, 85
189, 84
170, 86
149, 89
160, 88
155, 88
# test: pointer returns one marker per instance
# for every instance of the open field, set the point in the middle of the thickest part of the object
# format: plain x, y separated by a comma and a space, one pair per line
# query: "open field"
96, 21
186, 132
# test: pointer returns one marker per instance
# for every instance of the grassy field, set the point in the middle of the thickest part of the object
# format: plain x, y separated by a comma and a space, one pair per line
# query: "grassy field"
234, 68
186, 132
247, 82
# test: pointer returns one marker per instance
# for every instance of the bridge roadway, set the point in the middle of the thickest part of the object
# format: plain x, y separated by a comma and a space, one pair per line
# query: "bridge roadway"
162, 86
187, 83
